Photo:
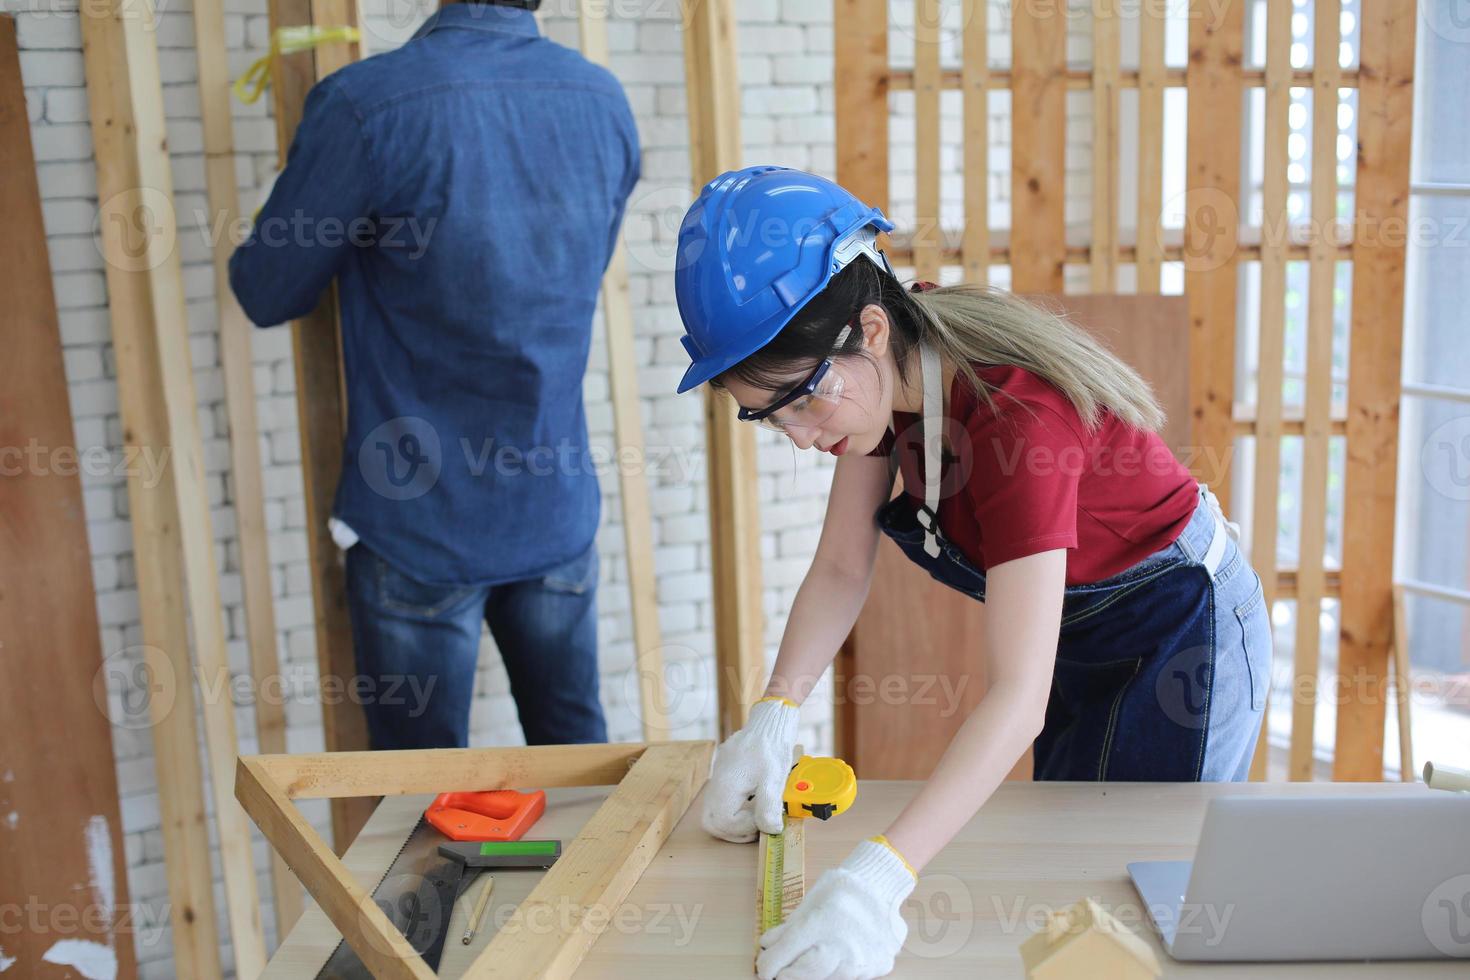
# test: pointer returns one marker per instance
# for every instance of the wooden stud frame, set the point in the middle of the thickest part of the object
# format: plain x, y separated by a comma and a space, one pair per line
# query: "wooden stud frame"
655, 785
1214, 244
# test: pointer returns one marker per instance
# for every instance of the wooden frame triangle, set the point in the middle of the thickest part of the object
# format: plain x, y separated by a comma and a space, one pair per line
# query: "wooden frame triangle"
655, 785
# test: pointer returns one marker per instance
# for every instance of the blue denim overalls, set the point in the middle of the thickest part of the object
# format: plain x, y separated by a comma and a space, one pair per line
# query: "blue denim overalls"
1161, 670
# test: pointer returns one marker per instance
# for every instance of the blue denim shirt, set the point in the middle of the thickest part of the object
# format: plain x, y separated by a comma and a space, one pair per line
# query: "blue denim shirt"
465, 190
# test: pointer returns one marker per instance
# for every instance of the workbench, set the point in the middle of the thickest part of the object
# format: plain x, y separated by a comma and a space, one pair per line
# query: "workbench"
1032, 849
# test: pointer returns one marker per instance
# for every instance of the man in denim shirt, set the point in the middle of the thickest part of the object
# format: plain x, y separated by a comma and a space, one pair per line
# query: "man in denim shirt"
465, 191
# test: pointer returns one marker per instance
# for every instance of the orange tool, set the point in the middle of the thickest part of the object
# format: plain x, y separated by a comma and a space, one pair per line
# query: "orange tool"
497, 814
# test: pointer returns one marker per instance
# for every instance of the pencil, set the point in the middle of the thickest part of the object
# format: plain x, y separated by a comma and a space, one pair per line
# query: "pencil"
469, 932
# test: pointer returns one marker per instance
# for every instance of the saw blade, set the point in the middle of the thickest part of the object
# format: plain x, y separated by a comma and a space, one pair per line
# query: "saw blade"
417, 894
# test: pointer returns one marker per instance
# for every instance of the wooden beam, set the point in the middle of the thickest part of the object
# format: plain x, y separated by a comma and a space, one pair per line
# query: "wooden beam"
321, 413
1321, 280
62, 847
861, 73
1385, 128
1038, 148
599, 868
334, 775
1105, 145
237, 365
975, 109
622, 370
1080, 79
1211, 229
925, 240
1268, 425
156, 391
1150, 256
382, 948
548, 934
711, 74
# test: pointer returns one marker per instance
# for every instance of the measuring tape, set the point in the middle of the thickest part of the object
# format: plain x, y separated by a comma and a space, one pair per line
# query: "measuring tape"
816, 787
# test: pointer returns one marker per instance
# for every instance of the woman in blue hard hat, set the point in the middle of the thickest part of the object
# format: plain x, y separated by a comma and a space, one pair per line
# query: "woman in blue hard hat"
1125, 635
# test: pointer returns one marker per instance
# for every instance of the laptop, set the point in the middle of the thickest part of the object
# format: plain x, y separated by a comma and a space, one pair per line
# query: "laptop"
1318, 878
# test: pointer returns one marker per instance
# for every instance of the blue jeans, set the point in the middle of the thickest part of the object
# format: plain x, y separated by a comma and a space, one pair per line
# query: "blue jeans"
417, 646
1161, 670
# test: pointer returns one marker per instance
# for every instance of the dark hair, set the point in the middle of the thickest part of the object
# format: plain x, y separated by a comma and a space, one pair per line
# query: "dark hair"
812, 334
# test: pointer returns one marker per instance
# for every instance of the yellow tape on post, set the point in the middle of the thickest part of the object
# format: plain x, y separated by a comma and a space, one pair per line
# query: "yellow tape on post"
250, 86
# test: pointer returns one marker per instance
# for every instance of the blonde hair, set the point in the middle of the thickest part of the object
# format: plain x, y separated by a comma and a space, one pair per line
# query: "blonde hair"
989, 325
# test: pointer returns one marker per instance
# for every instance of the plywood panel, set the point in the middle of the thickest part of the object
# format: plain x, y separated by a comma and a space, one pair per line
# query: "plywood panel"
917, 633
62, 844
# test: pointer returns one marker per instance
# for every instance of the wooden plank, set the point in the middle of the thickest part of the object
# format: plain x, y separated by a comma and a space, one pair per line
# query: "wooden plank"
321, 414
860, 103
62, 848
1403, 687
1080, 253
597, 870
1038, 148
1080, 79
1385, 123
556, 924
382, 948
333, 775
1211, 229
237, 365
710, 71
1150, 258
926, 235
1268, 419
1105, 145
156, 388
1321, 278
617, 315
975, 246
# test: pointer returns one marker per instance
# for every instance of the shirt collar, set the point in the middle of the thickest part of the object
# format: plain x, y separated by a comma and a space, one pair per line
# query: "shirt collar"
481, 17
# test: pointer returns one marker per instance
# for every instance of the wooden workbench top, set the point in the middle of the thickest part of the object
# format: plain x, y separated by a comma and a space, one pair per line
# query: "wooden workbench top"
1033, 848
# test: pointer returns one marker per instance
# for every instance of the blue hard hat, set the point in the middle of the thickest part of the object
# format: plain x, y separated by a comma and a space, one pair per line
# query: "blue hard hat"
753, 249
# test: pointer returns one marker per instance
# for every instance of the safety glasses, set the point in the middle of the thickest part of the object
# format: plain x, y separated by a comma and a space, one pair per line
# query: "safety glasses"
809, 404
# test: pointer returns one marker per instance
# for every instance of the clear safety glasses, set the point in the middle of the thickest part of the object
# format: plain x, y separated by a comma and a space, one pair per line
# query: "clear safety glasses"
808, 405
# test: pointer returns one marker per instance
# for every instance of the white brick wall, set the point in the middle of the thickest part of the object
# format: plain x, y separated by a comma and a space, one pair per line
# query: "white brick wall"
786, 70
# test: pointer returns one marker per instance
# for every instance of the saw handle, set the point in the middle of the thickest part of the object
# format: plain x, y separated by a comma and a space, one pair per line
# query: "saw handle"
497, 814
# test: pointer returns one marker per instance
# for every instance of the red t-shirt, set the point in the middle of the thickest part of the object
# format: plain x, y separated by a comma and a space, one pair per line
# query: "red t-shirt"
1027, 477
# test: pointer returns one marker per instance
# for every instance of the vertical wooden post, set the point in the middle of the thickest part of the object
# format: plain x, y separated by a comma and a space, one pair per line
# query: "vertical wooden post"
1321, 278
1149, 243
62, 846
321, 412
860, 66
1275, 221
236, 361
622, 371
1038, 146
710, 70
927, 238
172, 530
1103, 260
1385, 128
975, 86
1211, 231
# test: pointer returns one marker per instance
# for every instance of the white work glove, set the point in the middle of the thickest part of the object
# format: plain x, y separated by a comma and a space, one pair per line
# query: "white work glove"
749, 773
848, 926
